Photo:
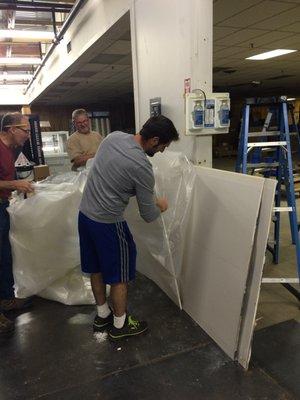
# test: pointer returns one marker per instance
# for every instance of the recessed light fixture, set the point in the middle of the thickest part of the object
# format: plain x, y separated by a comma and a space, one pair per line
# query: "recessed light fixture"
20, 60
15, 77
17, 34
270, 54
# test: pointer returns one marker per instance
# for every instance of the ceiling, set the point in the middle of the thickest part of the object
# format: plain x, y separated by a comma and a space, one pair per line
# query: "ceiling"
28, 16
102, 75
241, 28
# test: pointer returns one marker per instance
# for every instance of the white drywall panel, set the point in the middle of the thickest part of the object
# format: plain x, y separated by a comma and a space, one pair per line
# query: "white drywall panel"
218, 249
255, 273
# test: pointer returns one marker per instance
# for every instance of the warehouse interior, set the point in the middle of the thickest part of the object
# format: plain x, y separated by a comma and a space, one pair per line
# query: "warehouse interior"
113, 58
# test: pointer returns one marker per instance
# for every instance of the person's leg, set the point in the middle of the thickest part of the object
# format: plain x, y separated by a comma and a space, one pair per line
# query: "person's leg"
7, 295
104, 315
99, 288
6, 325
124, 325
89, 235
6, 274
6, 279
118, 295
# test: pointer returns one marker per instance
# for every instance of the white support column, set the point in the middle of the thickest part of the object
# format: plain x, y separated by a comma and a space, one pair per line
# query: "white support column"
172, 41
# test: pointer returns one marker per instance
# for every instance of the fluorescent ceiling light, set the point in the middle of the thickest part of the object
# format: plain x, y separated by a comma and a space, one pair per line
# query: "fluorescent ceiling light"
9, 87
20, 60
270, 54
291, 99
15, 77
15, 34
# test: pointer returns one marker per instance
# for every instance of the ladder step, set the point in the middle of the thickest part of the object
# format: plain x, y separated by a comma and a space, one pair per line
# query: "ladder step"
267, 144
263, 165
282, 209
280, 280
262, 134
269, 133
274, 144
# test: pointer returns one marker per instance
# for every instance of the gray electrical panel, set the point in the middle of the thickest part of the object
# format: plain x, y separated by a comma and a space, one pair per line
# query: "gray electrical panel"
155, 106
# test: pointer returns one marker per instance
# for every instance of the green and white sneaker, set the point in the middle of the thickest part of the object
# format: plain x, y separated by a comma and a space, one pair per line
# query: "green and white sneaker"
100, 324
131, 327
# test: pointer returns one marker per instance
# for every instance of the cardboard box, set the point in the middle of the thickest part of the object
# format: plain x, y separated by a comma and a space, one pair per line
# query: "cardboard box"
41, 172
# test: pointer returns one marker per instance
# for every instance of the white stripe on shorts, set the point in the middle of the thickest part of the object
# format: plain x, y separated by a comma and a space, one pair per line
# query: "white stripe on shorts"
124, 252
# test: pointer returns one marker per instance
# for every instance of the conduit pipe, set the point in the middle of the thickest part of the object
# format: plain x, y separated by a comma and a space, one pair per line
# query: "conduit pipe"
34, 6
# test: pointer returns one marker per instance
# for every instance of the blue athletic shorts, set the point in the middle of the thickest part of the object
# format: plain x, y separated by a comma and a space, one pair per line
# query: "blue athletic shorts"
107, 248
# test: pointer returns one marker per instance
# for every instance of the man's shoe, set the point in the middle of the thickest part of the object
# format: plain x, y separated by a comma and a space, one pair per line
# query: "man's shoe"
15, 304
131, 327
100, 324
6, 325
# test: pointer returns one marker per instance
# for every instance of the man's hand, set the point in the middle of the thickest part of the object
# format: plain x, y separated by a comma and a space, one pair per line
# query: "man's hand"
81, 160
162, 203
23, 186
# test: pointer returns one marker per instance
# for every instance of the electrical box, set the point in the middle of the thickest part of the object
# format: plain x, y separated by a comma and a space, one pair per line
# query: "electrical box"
155, 107
207, 115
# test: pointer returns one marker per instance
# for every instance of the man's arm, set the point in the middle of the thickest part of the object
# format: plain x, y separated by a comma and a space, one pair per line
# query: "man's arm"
81, 159
77, 157
21, 185
75, 152
149, 207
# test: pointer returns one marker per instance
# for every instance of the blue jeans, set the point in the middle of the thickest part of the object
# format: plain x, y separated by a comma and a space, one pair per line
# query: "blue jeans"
6, 273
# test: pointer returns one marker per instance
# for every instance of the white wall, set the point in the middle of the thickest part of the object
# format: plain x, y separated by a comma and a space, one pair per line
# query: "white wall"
172, 41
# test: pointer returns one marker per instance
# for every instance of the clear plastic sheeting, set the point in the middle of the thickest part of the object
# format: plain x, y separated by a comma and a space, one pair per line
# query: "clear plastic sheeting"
161, 243
44, 238
72, 288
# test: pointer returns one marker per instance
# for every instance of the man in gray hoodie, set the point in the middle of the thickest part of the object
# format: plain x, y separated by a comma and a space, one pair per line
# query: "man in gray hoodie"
120, 170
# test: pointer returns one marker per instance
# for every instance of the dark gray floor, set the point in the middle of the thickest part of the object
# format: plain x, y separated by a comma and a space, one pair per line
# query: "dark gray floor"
54, 355
277, 350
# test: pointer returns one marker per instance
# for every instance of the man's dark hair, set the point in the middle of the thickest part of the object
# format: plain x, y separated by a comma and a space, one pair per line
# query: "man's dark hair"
161, 127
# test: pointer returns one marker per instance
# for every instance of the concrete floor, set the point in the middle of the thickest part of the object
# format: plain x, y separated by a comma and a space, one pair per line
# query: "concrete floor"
53, 355
277, 304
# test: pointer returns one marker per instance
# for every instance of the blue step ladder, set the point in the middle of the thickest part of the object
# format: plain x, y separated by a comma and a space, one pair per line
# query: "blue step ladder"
278, 165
